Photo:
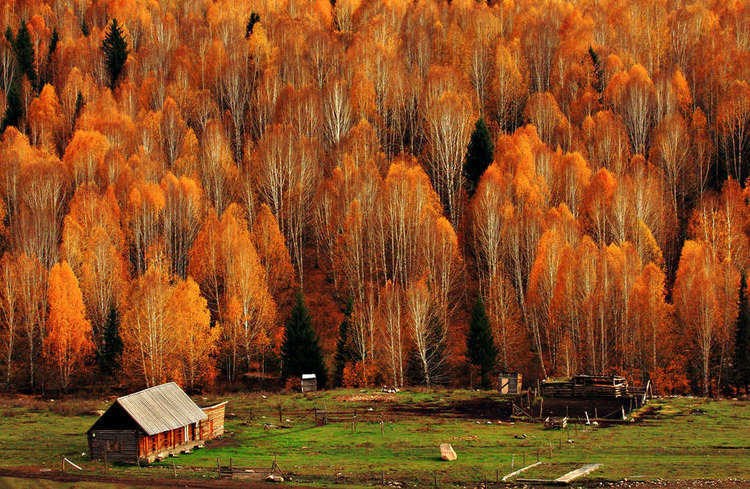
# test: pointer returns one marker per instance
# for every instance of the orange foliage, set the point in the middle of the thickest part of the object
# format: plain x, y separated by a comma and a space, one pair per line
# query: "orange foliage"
68, 342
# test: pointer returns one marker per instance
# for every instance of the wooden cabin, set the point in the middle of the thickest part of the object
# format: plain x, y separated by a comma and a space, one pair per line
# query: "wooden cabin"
152, 424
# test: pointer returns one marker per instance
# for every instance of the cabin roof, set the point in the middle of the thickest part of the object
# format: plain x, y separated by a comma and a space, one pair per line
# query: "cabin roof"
161, 408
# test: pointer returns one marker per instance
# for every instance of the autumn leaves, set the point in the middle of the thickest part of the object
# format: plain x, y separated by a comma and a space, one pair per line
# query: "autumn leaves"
195, 163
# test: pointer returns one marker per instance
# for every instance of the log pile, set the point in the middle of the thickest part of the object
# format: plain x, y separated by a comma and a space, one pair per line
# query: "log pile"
586, 386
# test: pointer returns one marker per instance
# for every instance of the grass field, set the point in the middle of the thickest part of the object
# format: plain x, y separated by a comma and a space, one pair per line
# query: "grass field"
680, 438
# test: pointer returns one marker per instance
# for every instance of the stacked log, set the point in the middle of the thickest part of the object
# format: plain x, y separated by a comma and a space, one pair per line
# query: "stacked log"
585, 386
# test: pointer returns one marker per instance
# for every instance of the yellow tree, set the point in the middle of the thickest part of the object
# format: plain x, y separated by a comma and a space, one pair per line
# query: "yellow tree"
45, 119
272, 251
196, 340
11, 319
697, 305
148, 337
68, 341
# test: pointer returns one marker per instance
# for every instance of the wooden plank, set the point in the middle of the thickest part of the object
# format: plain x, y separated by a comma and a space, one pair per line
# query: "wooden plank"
519, 471
575, 474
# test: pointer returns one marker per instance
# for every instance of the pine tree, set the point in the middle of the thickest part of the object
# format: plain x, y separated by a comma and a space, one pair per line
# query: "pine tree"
13, 108
115, 52
46, 75
24, 50
742, 344
254, 19
479, 155
480, 344
343, 348
300, 351
111, 351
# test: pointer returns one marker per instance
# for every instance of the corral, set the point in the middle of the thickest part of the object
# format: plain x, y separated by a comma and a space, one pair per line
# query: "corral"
588, 397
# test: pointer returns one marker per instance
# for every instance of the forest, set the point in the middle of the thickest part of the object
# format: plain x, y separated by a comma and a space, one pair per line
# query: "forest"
385, 192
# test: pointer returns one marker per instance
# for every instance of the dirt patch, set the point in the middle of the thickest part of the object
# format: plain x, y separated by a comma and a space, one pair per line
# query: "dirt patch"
377, 397
480, 408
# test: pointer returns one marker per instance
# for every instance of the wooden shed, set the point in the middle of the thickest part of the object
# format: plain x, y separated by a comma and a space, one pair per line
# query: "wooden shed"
309, 383
151, 424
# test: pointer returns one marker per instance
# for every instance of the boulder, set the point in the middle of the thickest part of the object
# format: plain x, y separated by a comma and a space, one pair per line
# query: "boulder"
447, 452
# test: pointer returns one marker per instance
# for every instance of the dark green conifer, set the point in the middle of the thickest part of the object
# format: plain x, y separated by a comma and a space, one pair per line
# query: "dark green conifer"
480, 344
479, 155
300, 350
115, 52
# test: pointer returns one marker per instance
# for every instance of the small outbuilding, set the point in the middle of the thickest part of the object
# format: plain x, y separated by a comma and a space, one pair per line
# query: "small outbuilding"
152, 424
309, 383
510, 383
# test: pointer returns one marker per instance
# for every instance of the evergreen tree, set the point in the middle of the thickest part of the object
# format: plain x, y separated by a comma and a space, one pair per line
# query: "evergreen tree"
598, 72
742, 344
479, 155
480, 344
343, 347
115, 52
111, 350
300, 350
45, 75
13, 108
25, 57
254, 19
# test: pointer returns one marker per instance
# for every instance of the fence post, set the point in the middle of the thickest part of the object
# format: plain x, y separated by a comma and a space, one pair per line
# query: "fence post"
280, 414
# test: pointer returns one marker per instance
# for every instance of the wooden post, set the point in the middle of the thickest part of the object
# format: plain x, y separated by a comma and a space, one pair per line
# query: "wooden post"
382, 477
434, 475
382, 428
174, 469
218, 468
541, 407
62, 464
497, 475
280, 414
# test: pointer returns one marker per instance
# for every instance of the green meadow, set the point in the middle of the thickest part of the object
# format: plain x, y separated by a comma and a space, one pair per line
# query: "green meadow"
397, 439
